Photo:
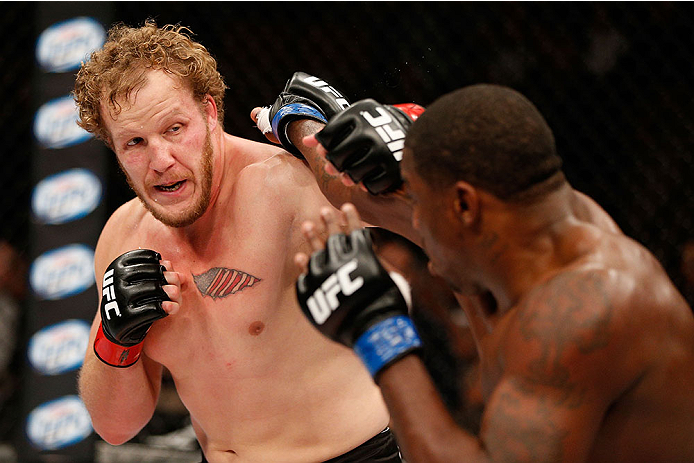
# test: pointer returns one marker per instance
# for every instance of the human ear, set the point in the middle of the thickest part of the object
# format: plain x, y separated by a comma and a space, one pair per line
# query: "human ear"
210, 111
466, 203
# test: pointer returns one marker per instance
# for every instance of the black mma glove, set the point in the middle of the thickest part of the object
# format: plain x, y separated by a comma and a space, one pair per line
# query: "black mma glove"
366, 141
131, 300
304, 97
352, 299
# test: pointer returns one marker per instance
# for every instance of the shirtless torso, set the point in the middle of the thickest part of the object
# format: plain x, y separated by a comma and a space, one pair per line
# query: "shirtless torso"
586, 348
261, 384
594, 363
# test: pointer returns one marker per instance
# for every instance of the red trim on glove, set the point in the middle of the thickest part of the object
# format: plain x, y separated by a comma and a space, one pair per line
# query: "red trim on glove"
412, 110
114, 354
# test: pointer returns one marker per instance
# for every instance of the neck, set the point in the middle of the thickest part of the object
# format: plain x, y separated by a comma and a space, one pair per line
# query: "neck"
530, 245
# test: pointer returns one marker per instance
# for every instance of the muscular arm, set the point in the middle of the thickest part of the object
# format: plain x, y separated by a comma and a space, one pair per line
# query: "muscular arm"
120, 401
557, 378
391, 211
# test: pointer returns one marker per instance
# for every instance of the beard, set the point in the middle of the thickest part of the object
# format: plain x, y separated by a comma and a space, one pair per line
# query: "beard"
190, 215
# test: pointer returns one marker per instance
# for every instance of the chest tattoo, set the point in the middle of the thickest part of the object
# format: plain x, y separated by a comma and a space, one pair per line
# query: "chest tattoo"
222, 282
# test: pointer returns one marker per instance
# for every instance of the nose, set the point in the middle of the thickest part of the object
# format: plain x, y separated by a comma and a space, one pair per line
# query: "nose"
160, 158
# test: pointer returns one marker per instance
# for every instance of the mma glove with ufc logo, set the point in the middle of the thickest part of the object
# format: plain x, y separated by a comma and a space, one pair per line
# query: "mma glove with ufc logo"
366, 142
352, 299
304, 97
131, 300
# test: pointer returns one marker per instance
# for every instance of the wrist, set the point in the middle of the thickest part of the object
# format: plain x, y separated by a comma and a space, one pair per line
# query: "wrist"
386, 342
114, 354
289, 113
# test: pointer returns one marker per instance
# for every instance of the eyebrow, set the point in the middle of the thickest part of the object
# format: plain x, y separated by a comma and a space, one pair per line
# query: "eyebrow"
130, 132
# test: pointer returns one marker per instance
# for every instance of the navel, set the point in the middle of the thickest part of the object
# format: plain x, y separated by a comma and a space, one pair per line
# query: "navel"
256, 328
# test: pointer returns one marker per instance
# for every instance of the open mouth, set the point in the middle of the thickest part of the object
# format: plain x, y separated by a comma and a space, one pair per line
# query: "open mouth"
170, 187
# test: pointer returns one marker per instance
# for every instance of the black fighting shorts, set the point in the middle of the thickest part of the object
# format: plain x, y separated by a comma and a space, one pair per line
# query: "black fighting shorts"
381, 448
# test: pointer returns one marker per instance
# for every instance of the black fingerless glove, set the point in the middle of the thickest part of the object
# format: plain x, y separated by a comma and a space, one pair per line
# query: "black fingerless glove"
304, 97
131, 300
366, 141
351, 298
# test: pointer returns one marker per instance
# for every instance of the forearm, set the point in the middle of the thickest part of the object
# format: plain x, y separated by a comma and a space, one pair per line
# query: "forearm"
120, 401
425, 430
390, 211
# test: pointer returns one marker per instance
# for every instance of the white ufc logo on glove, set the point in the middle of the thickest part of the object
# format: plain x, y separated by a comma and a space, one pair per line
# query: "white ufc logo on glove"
392, 136
110, 295
327, 88
324, 299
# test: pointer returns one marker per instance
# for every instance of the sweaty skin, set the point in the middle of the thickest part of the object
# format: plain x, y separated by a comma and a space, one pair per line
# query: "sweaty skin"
588, 354
261, 384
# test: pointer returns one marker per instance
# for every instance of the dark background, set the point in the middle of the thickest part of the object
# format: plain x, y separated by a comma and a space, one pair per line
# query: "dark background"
613, 80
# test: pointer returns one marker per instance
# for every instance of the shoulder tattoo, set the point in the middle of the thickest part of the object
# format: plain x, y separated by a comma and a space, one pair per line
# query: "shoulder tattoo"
573, 312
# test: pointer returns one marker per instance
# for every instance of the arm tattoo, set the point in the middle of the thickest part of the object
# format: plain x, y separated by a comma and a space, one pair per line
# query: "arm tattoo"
325, 179
221, 282
523, 431
529, 415
573, 312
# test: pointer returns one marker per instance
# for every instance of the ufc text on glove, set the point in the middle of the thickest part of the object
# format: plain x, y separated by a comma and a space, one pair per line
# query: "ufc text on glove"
132, 295
351, 298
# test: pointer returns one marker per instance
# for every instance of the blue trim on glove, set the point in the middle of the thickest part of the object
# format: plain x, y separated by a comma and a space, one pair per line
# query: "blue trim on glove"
386, 341
297, 110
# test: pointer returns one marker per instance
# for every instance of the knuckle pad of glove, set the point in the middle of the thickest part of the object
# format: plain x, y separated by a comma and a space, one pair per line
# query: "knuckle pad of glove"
144, 292
383, 182
344, 287
141, 272
353, 149
322, 94
337, 129
362, 167
137, 292
137, 256
338, 248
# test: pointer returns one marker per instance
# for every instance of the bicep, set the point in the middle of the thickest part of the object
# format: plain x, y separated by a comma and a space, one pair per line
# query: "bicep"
526, 421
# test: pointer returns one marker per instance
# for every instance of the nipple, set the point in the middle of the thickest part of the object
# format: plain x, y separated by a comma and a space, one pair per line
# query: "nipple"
256, 328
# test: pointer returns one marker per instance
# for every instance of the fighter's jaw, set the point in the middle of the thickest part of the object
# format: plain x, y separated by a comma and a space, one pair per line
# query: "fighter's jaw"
169, 187
172, 192
169, 199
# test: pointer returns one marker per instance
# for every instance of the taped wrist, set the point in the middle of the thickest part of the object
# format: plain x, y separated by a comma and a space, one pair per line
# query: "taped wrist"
114, 354
386, 342
289, 113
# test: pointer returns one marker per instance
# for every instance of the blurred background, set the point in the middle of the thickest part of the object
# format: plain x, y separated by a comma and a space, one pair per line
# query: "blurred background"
612, 79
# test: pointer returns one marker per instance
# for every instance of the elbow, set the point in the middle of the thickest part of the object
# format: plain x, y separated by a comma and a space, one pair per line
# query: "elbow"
113, 439
114, 436
116, 432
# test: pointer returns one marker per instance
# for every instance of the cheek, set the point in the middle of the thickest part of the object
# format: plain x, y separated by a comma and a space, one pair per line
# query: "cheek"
415, 219
129, 164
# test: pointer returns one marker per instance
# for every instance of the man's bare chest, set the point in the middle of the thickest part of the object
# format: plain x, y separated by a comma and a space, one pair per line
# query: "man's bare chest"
231, 290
